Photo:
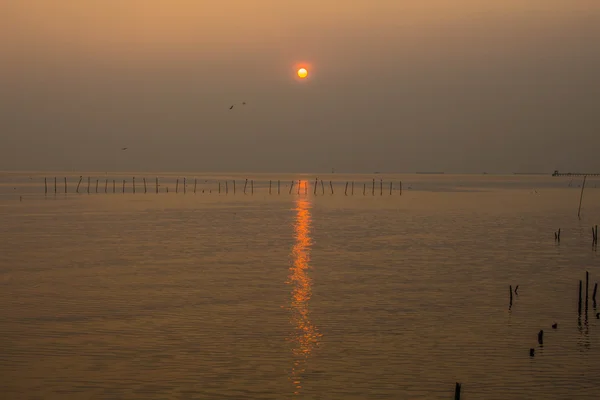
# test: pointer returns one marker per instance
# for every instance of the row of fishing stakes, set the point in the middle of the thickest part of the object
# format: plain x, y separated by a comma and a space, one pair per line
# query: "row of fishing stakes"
300, 187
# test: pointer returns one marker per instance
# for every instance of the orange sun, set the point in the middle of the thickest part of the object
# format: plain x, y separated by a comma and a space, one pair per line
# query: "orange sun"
302, 73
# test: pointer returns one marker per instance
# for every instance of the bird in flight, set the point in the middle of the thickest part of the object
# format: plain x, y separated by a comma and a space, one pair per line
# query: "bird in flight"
124, 148
243, 103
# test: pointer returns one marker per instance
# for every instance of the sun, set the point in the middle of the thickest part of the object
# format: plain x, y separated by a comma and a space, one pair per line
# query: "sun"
302, 73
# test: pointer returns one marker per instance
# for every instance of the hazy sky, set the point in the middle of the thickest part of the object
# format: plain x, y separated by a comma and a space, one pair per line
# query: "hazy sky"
394, 86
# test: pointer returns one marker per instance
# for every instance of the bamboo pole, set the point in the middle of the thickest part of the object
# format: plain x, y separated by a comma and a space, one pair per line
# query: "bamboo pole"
322, 187
346, 190
156, 181
245, 185
177, 186
45, 186
291, 187
133, 184
123, 186
114, 187
184, 186
80, 179
106, 185
373, 190
331, 186
96, 185
270, 183
145, 187
88, 187
581, 197
587, 284
65, 185
55, 186
195, 184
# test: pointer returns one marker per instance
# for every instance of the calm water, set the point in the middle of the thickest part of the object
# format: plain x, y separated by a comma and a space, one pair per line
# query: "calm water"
208, 296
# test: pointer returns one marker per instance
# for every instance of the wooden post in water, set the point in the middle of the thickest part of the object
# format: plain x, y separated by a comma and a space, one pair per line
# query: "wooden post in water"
177, 186
306, 187
219, 187
226, 188
511, 297
400, 188
299, 185
252, 186
184, 186
245, 185
579, 304
65, 185
156, 181
106, 185
80, 178
322, 187
316, 184
55, 187
145, 187
114, 186
133, 185
88, 188
234, 186
390, 188
123, 186
364, 189
457, 391
381, 186
594, 294
581, 197
270, 184
45, 186
346, 190
291, 186
587, 283
278, 186
195, 184
331, 186
373, 191
352, 191
96, 185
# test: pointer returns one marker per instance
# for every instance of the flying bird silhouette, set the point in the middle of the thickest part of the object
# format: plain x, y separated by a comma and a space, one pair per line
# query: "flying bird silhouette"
231, 106
124, 148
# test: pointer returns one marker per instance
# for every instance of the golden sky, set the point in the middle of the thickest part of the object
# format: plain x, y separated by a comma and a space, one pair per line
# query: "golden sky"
385, 73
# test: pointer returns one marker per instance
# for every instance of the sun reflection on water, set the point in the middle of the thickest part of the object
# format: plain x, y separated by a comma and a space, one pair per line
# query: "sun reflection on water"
305, 336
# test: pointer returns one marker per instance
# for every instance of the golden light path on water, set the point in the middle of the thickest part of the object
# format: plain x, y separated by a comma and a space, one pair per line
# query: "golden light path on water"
305, 337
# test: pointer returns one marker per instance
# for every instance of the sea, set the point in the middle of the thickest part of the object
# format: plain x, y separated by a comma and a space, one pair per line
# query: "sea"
297, 286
